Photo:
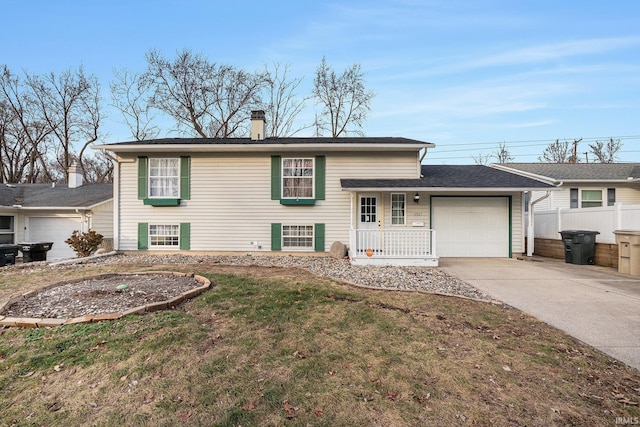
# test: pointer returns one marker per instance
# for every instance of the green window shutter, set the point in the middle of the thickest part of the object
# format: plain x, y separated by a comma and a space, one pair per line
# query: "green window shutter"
318, 244
185, 236
320, 177
276, 236
142, 177
276, 171
185, 178
143, 235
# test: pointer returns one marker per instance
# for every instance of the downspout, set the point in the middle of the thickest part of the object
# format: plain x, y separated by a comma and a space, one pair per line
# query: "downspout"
530, 230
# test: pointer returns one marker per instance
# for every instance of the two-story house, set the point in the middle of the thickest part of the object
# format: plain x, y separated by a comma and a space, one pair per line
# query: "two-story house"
299, 195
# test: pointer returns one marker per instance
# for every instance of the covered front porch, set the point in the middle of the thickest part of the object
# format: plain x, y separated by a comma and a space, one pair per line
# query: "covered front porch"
405, 247
391, 228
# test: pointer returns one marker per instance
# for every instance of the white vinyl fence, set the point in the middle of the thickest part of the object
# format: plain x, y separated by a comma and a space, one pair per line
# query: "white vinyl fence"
548, 224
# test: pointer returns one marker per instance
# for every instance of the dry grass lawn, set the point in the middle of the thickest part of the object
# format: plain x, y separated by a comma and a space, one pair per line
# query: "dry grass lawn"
273, 346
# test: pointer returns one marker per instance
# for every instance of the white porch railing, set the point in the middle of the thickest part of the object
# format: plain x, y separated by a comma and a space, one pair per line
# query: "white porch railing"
398, 244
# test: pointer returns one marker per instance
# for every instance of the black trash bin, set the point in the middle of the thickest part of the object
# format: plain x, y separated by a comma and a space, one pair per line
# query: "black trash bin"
579, 246
8, 254
35, 251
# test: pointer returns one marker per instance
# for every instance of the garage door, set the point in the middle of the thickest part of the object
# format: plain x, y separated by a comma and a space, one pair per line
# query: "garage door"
56, 230
471, 226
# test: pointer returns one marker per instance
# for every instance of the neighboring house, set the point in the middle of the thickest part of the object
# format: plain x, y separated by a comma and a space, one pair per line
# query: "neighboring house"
290, 195
582, 185
51, 212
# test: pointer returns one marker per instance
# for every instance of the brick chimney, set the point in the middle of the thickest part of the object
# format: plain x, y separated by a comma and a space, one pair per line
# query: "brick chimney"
257, 125
74, 176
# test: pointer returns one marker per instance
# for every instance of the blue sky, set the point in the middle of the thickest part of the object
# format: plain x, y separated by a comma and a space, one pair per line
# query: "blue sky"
465, 75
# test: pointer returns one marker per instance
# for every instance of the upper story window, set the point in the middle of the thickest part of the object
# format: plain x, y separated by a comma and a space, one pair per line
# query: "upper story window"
164, 178
6, 229
297, 178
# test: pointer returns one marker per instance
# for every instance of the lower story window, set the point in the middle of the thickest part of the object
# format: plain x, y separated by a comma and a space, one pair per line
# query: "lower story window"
6, 229
297, 236
164, 235
397, 209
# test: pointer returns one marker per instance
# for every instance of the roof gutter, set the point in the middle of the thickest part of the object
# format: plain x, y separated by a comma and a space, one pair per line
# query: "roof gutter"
447, 189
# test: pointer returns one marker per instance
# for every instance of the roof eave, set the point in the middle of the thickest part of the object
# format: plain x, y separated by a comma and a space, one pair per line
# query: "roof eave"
542, 178
266, 147
449, 189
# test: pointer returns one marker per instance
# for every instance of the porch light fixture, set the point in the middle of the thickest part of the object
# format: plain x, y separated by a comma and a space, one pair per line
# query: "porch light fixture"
416, 198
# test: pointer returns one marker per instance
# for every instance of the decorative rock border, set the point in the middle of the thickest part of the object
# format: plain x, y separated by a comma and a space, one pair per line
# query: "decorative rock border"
30, 322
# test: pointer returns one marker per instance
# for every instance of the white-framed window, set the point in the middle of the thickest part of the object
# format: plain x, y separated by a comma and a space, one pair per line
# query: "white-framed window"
6, 229
164, 236
297, 178
297, 236
164, 178
591, 198
398, 209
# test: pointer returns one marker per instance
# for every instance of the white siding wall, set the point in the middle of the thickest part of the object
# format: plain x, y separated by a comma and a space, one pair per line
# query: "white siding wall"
231, 206
561, 198
102, 219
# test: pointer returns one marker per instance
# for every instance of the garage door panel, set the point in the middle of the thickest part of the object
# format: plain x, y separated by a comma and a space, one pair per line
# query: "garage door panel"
56, 230
471, 226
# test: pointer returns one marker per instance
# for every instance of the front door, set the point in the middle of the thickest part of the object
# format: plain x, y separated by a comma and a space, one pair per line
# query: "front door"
369, 222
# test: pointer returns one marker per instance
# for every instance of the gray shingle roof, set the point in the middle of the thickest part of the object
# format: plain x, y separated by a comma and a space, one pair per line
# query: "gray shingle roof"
291, 140
579, 171
452, 176
61, 196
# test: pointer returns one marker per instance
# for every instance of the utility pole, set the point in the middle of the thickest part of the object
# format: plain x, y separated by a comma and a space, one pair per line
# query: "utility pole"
574, 159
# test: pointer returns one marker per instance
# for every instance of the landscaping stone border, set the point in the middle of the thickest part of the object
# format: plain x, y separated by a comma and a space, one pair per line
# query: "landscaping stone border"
29, 322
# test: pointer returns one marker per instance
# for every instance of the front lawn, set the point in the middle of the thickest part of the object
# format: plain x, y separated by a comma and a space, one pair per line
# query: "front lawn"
275, 346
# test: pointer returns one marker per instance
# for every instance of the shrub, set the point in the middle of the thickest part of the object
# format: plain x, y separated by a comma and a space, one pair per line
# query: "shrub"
84, 244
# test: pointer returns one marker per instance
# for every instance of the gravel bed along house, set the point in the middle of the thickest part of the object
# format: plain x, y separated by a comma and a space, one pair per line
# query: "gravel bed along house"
426, 279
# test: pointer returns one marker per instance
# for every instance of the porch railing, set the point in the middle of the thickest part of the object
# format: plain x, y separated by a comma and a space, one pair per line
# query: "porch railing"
401, 243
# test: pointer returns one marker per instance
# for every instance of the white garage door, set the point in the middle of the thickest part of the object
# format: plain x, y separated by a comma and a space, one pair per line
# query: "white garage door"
56, 230
471, 226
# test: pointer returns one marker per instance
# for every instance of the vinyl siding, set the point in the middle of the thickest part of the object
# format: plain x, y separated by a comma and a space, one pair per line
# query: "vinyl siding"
102, 219
231, 207
561, 198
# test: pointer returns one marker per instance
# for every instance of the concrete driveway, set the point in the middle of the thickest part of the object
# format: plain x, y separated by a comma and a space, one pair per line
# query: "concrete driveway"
594, 304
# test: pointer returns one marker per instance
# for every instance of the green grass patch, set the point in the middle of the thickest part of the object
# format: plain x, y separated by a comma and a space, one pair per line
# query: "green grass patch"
278, 349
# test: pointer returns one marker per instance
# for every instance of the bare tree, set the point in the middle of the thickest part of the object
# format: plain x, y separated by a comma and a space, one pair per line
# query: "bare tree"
70, 106
502, 154
344, 100
482, 159
605, 151
130, 95
211, 100
557, 152
29, 129
282, 104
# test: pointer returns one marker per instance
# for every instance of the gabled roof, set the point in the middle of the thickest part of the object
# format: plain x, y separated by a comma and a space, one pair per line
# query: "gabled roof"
622, 172
452, 177
265, 145
60, 196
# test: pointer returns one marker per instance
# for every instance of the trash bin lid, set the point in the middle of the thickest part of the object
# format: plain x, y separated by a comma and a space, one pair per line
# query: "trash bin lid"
631, 232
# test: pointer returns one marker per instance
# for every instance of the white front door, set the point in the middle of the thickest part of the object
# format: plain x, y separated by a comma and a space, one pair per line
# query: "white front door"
369, 221
368, 212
